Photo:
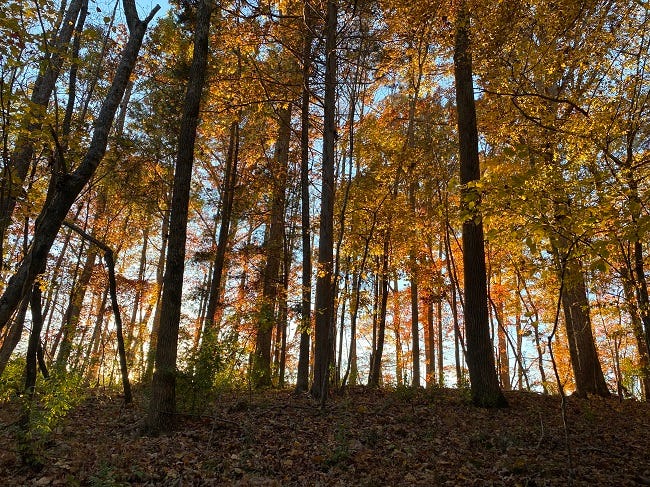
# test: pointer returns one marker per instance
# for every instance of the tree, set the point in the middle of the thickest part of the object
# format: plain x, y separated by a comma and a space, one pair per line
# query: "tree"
64, 188
480, 358
162, 404
274, 250
324, 308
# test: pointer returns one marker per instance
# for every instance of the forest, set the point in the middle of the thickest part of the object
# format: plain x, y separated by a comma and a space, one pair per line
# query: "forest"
213, 212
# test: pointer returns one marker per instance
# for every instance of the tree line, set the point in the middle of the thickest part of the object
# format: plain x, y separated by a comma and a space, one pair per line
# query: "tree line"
324, 194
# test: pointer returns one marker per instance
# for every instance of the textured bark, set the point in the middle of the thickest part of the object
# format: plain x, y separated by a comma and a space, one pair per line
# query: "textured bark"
637, 330
68, 187
272, 283
162, 405
34, 340
72, 77
480, 358
324, 290
155, 326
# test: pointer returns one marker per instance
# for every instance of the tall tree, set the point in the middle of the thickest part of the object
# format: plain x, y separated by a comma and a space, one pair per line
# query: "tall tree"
480, 357
162, 404
302, 380
324, 308
274, 251
15, 172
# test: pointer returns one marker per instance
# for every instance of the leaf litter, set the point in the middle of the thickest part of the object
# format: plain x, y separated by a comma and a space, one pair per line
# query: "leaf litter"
362, 437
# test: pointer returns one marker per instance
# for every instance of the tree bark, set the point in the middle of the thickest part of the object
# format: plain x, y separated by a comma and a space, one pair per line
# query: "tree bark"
587, 371
14, 335
324, 292
374, 379
155, 326
480, 357
162, 405
302, 381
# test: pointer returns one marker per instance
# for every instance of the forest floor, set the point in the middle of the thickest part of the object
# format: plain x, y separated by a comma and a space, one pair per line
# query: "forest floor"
362, 437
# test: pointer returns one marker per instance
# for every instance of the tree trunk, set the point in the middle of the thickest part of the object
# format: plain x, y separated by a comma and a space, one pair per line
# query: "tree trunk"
430, 345
480, 357
228, 192
73, 313
502, 343
324, 292
27, 448
274, 249
302, 381
14, 335
112, 286
91, 359
637, 330
374, 380
397, 325
162, 405
587, 371
137, 300
155, 326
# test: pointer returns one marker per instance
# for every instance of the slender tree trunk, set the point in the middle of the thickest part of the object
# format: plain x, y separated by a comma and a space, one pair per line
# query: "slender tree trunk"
346, 294
397, 325
137, 299
587, 371
302, 381
480, 357
430, 344
357, 279
112, 286
502, 342
284, 303
27, 447
228, 191
375, 372
163, 388
73, 313
324, 281
637, 330
155, 326
274, 248
90, 359
518, 331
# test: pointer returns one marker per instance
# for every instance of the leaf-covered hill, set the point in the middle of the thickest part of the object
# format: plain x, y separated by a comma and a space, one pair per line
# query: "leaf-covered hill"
362, 437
